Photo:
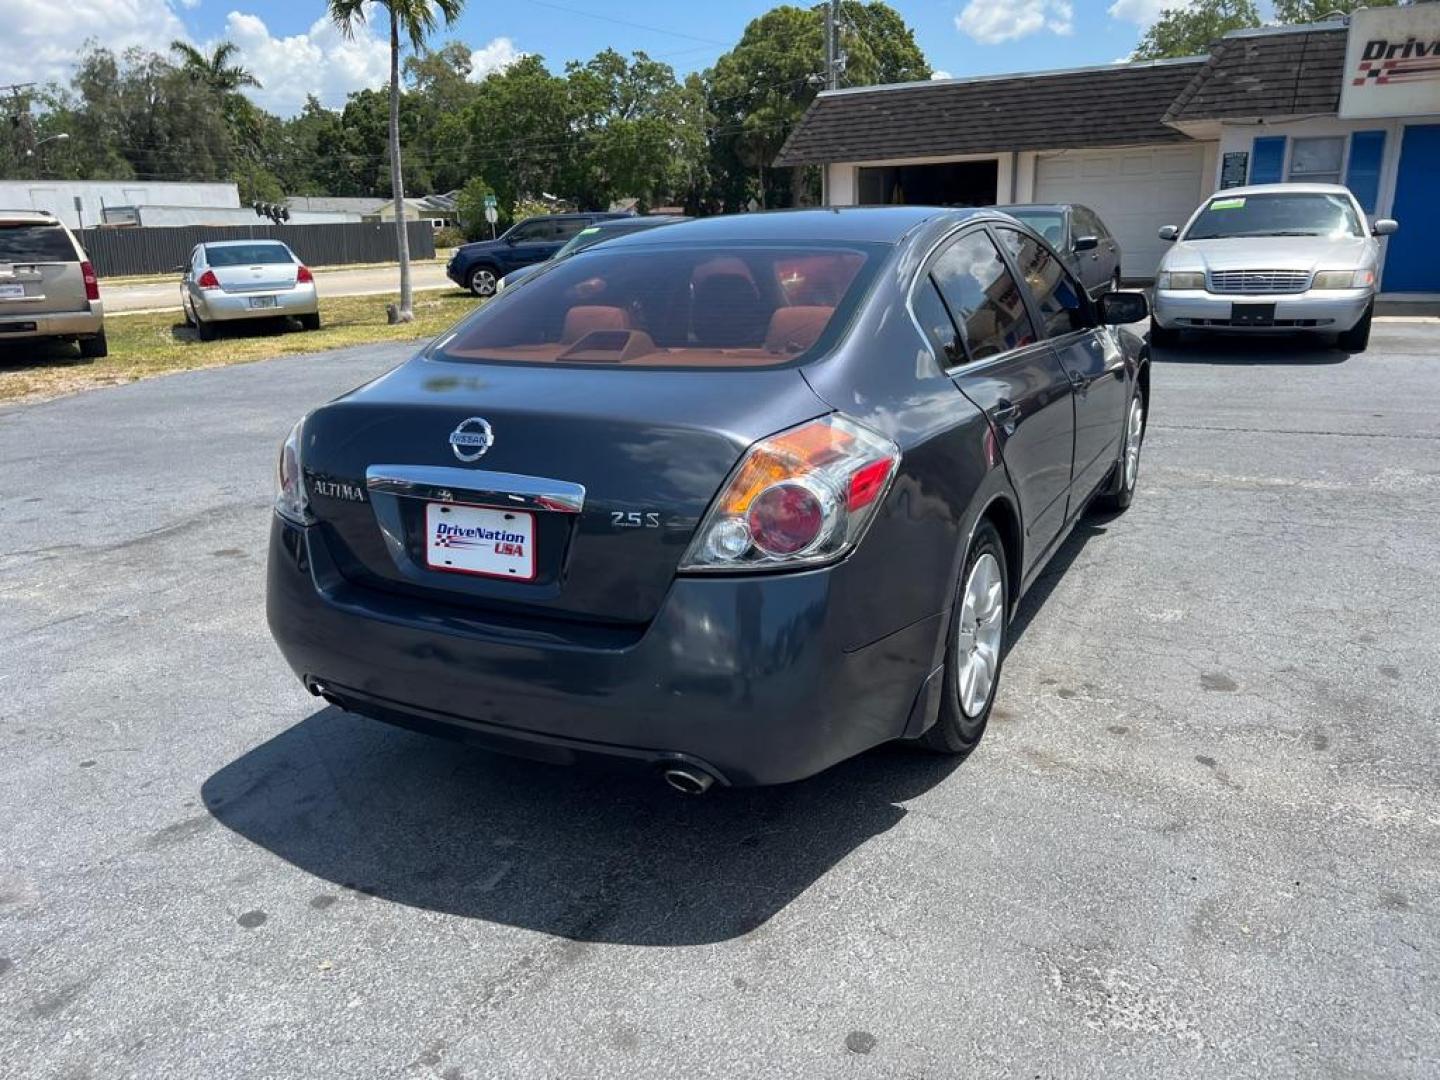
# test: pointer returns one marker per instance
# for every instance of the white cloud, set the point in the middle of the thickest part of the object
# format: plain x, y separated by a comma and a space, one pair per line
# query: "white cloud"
1141, 12
190, 5
40, 43
321, 61
495, 55
938, 74
993, 21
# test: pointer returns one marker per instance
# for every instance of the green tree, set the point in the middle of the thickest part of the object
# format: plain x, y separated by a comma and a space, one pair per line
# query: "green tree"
417, 18
1190, 30
764, 85
470, 205
1292, 12
215, 70
522, 140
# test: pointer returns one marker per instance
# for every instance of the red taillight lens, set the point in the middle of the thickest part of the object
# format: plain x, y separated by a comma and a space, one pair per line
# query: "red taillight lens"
785, 519
799, 497
208, 280
304, 277
92, 283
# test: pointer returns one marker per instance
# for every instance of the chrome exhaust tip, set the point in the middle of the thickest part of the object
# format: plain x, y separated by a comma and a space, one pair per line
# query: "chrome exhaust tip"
688, 781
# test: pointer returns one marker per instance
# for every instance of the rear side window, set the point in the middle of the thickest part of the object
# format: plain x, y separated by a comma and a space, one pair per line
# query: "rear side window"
935, 321
247, 255
35, 244
671, 306
982, 296
1062, 303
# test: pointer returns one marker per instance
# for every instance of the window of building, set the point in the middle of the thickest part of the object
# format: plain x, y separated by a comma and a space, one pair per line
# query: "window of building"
1317, 161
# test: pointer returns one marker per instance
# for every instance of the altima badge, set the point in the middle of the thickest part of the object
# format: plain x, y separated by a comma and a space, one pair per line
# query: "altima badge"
472, 439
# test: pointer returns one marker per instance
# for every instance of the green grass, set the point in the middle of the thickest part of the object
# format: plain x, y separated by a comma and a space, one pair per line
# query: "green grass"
143, 346
441, 255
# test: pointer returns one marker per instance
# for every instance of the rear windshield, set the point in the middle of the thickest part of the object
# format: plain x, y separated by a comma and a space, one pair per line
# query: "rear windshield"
703, 307
35, 243
247, 254
1299, 214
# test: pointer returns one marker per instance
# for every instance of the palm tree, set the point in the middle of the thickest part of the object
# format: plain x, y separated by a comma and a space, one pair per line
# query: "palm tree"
417, 19
215, 70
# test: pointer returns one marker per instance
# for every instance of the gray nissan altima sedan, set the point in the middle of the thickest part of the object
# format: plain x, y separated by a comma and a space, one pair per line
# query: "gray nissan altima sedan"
735, 499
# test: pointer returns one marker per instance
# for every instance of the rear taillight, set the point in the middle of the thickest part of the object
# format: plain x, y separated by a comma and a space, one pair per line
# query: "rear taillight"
291, 500
92, 283
801, 497
304, 277
208, 280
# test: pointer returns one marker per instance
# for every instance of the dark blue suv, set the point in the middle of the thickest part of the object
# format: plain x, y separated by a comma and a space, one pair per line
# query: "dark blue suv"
478, 267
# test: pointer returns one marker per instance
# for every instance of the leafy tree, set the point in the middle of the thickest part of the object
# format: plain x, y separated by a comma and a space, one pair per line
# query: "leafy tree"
763, 86
417, 19
214, 70
470, 205
1293, 12
522, 140
1189, 30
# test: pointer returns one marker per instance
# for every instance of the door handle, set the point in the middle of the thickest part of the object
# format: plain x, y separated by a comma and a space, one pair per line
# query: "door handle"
1080, 382
1005, 414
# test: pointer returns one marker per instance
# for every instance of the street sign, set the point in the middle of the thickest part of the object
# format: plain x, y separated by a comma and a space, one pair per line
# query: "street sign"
489, 202
491, 215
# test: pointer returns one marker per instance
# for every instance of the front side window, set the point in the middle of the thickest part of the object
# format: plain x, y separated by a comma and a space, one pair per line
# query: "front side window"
530, 231
1087, 224
1277, 214
1062, 303
982, 296
1317, 161
35, 244
247, 254
565, 228
673, 306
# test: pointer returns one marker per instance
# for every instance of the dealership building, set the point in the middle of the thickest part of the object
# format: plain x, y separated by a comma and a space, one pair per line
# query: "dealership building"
1354, 102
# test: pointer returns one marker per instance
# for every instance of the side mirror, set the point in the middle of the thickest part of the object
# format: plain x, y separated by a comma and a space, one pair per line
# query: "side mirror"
1086, 243
1118, 308
1385, 226
1169, 232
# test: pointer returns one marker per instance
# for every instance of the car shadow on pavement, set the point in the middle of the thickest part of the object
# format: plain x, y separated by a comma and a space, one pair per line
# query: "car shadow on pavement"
1280, 349
579, 852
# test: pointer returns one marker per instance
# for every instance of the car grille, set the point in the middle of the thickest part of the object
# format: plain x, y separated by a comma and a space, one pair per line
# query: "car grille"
1259, 281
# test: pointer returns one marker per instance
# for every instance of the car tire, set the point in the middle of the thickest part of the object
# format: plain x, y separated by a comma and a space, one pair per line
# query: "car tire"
482, 282
310, 322
975, 647
1161, 336
1119, 491
205, 331
94, 348
1357, 338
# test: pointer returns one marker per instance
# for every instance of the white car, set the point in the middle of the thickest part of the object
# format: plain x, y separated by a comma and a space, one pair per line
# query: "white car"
230, 280
1272, 258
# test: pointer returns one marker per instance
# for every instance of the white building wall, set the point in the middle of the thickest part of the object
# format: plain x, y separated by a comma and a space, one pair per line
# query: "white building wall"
58, 196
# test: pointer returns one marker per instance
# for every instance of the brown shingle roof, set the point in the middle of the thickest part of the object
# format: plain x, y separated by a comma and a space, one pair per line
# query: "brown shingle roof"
1115, 105
1266, 74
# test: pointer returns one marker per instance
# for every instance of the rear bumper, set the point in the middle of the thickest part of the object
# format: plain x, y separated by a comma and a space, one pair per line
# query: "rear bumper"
216, 306
1330, 310
17, 324
746, 676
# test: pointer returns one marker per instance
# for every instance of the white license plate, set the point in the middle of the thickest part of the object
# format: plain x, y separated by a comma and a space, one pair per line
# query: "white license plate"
477, 540
263, 301
12, 292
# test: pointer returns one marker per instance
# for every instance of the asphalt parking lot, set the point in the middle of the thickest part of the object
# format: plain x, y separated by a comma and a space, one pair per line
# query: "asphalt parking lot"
1200, 839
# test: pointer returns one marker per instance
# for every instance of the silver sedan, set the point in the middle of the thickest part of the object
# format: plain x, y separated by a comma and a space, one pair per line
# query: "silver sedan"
1272, 258
231, 280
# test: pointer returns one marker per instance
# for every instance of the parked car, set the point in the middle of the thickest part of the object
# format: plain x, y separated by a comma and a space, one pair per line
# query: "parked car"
234, 280
1272, 258
589, 237
736, 499
48, 289
480, 266
1076, 232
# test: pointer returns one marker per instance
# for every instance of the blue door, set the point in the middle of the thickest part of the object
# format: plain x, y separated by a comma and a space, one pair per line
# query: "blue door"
1410, 263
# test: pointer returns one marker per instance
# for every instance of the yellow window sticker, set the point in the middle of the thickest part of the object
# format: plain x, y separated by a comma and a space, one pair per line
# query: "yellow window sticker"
1227, 204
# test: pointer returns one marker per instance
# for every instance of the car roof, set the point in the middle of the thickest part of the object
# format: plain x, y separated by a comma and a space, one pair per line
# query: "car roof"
1281, 189
1056, 207
28, 217
859, 224
643, 221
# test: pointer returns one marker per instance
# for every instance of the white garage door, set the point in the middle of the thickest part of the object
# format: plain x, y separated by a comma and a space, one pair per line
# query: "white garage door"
1134, 191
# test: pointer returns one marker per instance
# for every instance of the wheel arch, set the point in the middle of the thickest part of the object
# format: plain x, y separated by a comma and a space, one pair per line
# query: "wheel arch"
1001, 513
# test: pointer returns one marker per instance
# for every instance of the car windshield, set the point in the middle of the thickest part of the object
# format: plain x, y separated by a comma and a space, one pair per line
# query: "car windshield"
35, 243
247, 254
1299, 214
1048, 223
673, 306
581, 240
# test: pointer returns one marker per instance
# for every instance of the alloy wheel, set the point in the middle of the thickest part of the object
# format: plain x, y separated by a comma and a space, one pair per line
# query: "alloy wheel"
1134, 433
482, 283
979, 635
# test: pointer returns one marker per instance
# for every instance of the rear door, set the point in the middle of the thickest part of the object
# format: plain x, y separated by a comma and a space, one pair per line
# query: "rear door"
1010, 372
1090, 356
39, 271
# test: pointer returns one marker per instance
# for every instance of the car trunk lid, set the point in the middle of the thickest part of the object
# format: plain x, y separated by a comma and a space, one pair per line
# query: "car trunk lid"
257, 277
606, 475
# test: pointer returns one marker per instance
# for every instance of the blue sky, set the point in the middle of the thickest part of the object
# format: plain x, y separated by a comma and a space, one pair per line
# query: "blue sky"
295, 52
